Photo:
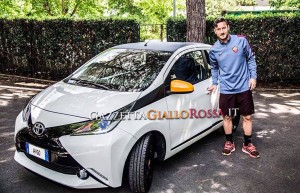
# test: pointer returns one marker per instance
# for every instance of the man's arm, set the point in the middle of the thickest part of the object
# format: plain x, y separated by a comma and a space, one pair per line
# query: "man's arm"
251, 63
250, 59
214, 71
214, 67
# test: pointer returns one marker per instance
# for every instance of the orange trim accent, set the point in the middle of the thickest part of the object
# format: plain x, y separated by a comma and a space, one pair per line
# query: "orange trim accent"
179, 86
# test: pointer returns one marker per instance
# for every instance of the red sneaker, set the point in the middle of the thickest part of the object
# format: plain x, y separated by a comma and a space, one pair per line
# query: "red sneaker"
228, 148
250, 149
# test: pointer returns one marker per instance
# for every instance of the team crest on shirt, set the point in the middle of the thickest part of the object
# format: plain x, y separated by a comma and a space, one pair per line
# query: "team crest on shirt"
235, 49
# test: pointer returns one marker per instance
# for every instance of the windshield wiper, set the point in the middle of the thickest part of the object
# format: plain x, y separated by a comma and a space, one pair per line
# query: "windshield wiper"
87, 82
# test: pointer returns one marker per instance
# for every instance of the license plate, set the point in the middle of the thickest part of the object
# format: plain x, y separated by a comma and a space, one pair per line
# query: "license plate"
37, 151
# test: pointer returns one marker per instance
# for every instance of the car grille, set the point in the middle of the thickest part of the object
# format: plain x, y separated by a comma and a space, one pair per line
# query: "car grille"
60, 160
53, 166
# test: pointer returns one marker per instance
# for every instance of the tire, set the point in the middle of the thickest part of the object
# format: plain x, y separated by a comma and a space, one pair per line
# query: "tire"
140, 171
235, 122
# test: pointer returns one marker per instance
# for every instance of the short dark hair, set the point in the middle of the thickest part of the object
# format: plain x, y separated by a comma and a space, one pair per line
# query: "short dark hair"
219, 20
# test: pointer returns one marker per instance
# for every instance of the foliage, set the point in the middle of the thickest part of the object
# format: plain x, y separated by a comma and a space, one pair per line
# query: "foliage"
153, 32
11, 8
273, 37
42, 8
52, 49
176, 29
145, 11
246, 2
152, 12
214, 8
285, 4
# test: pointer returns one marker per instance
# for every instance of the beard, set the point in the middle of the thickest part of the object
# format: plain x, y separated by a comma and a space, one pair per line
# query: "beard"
223, 38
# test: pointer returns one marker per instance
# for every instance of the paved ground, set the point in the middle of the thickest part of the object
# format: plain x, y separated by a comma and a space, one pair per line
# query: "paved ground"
199, 168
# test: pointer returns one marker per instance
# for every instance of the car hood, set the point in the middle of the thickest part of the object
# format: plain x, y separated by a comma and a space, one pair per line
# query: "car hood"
81, 101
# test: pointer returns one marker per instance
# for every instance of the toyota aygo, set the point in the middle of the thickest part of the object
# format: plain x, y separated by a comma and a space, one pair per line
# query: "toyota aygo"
107, 121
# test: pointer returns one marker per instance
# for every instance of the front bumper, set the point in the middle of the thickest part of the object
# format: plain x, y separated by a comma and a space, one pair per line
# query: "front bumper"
102, 156
65, 179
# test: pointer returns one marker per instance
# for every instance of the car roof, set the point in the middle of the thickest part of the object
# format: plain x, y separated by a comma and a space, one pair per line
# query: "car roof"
158, 46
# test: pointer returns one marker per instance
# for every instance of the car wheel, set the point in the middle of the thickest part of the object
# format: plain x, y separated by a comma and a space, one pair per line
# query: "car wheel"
235, 122
140, 169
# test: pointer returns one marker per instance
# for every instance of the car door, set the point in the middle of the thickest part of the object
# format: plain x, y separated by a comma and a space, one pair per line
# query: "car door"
191, 108
217, 116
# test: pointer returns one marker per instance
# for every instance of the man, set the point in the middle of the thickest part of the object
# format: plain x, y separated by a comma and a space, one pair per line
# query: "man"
233, 64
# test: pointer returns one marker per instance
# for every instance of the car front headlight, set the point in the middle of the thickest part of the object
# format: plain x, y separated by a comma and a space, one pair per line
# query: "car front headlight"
103, 124
26, 112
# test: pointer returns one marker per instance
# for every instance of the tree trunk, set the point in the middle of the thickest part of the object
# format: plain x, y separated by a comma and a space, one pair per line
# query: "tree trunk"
196, 22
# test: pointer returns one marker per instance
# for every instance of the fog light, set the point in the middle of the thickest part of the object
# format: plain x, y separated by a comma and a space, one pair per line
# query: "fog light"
82, 174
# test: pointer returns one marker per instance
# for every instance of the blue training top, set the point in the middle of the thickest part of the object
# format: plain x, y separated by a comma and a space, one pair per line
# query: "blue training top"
233, 63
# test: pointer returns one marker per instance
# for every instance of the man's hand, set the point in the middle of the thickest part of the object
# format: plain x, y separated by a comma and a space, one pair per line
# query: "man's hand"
212, 89
252, 84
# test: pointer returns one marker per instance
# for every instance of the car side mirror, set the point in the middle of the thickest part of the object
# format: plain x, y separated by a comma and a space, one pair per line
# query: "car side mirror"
181, 87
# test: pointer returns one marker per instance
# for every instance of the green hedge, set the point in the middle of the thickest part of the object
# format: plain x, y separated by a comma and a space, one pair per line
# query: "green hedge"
274, 38
53, 48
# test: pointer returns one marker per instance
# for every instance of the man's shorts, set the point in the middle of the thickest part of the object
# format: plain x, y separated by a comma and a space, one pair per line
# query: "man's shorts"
243, 101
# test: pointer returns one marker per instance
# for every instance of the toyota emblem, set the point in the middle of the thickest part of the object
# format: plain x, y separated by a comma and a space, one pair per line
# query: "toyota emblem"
38, 128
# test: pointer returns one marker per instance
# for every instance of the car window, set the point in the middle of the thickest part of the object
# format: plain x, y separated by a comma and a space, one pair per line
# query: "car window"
190, 67
121, 70
199, 63
207, 64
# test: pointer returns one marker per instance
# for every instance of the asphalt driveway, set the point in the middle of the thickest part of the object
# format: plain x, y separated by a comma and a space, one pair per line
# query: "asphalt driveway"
200, 167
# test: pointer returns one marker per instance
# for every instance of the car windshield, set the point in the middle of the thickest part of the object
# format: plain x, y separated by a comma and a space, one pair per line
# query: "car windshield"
128, 70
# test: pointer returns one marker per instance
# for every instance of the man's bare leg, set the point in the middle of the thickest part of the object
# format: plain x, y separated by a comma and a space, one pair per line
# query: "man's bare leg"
247, 125
248, 147
227, 124
229, 145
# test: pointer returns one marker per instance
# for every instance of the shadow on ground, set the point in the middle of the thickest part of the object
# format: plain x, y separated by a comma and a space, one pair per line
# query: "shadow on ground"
199, 168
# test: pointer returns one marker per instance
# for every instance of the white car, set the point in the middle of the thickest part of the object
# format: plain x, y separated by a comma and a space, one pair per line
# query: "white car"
114, 115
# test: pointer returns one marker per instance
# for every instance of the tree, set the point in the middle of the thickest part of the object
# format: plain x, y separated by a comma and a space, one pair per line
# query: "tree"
39, 8
69, 8
285, 4
196, 22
